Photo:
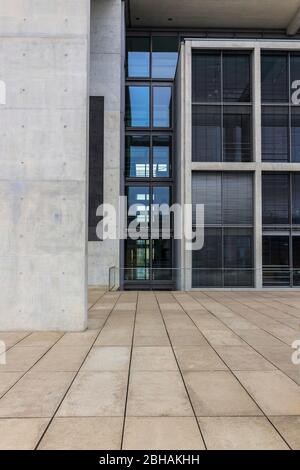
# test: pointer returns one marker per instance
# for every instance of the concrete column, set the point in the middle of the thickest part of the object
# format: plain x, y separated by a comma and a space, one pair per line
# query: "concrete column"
187, 106
107, 67
257, 159
43, 148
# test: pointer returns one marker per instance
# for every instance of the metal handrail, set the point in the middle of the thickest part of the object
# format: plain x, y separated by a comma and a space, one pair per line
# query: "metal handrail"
111, 275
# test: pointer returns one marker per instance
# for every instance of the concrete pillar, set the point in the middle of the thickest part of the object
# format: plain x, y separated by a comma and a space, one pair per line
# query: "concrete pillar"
43, 148
188, 151
257, 159
106, 79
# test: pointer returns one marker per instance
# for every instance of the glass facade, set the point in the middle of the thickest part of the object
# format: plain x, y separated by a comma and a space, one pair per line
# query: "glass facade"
137, 156
138, 57
226, 259
281, 229
137, 111
222, 131
280, 111
164, 56
221, 109
162, 106
151, 66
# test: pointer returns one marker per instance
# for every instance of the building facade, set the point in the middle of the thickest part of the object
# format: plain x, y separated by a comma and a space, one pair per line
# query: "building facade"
164, 102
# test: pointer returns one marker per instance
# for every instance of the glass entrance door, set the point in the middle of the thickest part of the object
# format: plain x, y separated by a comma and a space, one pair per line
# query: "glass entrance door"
148, 259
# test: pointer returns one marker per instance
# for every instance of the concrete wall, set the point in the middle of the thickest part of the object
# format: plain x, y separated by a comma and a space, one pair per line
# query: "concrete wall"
44, 63
107, 49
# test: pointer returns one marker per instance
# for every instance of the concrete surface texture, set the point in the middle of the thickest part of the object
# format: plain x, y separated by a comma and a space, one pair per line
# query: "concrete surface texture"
106, 69
158, 370
44, 63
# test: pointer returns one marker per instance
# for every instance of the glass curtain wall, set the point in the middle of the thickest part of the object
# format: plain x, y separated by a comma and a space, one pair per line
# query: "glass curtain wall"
150, 68
226, 259
280, 72
281, 229
280, 75
221, 106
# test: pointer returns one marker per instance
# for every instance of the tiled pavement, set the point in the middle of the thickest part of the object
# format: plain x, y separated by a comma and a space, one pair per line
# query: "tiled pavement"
158, 370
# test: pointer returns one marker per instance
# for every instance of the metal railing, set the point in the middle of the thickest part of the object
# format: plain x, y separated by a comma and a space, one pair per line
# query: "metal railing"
204, 277
111, 278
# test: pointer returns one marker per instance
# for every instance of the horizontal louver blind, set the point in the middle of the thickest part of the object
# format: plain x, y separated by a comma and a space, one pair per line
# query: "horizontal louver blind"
275, 197
237, 199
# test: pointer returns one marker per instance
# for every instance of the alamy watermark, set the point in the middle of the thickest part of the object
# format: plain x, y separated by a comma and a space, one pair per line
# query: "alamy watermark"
143, 221
296, 353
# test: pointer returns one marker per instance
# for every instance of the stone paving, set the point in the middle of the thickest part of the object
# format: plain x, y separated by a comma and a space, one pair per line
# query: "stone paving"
158, 370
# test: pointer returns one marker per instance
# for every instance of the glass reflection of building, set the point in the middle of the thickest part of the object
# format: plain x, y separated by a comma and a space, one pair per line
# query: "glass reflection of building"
150, 71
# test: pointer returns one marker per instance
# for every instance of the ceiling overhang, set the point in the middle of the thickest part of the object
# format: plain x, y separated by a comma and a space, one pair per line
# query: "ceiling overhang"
215, 14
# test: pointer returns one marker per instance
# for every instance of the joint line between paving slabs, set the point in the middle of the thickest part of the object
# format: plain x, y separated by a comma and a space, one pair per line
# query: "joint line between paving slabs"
75, 376
252, 398
129, 371
182, 378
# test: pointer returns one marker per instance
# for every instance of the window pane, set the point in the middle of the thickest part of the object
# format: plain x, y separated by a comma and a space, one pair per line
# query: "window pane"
206, 134
274, 78
275, 134
96, 139
295, 68
161, 156
276, 261
275, 250
164, 56
296, 198
162, 106
237, 134
295, 134
207, 190
296, 260
207, 262
237, 199
161, 260
160, 195
137, 106
236, 77
137, 156
138, 200
296, 252
137, 260
238, 257
275, 198
138, 57
206, 77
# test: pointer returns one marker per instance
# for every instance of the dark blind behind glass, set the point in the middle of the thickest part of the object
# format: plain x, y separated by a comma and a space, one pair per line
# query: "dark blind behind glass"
206, 133
96, 133
237, 133
295, 133
275, 198
237, 199
226, 258
222, 113
274, 78
206, 71
296, 198
207, 190
227, 197
236, 77
275, 133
